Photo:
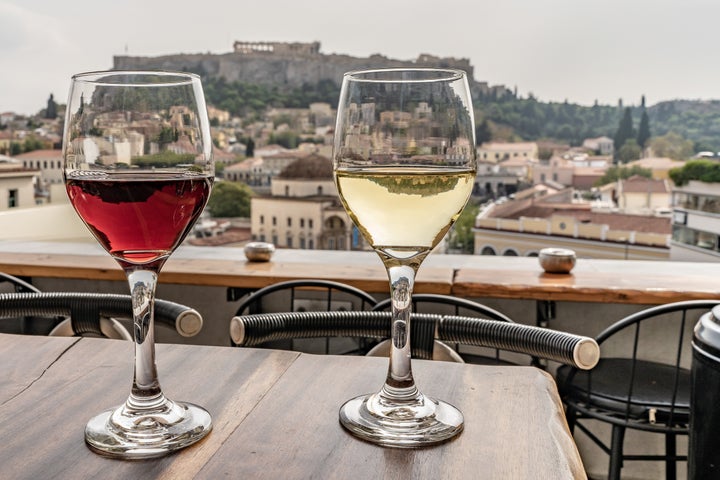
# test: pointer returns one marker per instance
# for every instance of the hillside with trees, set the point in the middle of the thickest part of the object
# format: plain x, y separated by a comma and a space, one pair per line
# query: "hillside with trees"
510, 117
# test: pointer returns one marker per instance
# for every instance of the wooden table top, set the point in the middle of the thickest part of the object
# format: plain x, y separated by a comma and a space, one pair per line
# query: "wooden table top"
275, 415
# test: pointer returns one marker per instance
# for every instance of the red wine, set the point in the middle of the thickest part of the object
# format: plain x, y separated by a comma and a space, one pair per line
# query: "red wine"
139, 219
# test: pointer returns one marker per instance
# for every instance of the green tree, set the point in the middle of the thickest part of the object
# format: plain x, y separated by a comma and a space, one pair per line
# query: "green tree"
629, 151
230, 199
613, 174
703, 170
671, 145
643, 129
625, 130
51, 110
250, 148
483, 133
463, 237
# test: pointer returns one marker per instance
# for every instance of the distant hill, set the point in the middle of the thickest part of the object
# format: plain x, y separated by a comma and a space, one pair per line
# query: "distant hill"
257, 74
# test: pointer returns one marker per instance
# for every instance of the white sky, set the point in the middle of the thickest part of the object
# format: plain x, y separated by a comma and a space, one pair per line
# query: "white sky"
579, 50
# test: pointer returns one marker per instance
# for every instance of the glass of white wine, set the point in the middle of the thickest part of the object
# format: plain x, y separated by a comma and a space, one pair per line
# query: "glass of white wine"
404, 161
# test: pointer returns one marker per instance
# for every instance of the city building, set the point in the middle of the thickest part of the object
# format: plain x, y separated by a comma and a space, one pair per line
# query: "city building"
696, 222
303, 210
547, 218
600, 145
496, 152
17, 184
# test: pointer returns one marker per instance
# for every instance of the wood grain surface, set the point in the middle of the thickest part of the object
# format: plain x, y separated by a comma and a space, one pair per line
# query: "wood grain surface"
275, 415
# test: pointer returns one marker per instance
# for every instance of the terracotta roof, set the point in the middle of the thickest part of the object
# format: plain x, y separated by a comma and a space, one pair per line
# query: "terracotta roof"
616, 221
54, 153
638, 184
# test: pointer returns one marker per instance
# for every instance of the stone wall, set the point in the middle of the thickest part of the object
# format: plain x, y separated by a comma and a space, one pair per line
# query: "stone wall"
277, 68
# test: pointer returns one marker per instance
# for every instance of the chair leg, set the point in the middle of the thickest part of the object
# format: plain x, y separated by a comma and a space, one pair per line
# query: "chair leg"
670, 453
616, 452
570, 417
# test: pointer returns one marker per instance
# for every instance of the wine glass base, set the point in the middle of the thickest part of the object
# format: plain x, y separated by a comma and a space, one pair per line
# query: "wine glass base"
116, 434
423, 423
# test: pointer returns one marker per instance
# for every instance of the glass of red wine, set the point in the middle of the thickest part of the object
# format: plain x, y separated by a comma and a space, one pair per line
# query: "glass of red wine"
138, 169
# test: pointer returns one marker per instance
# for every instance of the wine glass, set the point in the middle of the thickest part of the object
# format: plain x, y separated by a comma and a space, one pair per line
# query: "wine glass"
404, 163
138, 169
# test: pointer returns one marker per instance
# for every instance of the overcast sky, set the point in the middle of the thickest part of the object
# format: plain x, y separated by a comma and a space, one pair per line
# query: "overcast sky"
579, 50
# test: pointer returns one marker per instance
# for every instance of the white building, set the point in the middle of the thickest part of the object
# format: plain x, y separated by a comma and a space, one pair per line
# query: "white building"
303, 210
696, 222
16, 184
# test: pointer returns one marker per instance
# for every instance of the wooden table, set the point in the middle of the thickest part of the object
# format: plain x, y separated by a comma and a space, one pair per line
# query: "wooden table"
274, 413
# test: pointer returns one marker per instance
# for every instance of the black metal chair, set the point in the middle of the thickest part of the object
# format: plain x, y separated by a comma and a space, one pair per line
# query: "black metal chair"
566, 348
641, 382
94, 314
306, 296
451, 305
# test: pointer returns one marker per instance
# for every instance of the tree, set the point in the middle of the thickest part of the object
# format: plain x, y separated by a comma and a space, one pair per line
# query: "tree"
613, 174
625, 130
51, 110
671, 145
230, 199
463, 237
703, 170
643, 129
629, 151
250, 148
483, 133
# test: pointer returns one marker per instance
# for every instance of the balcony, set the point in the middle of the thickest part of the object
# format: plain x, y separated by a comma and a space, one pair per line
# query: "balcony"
213, 279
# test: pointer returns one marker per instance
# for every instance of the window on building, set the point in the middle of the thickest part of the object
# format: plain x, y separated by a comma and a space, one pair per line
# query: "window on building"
12, 198
302, 222
289, 241
289, 222
310, 223
302, 242
319, 190
311, 244
262, 219
274, 221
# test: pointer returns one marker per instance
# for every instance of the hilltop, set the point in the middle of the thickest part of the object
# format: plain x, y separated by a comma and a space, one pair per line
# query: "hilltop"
256, 75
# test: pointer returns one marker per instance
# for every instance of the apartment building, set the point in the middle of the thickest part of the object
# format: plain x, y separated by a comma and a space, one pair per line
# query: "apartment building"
495, 152
696, 222
17, 184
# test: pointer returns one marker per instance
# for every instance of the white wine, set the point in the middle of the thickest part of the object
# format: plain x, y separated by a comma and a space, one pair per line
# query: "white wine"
404, 209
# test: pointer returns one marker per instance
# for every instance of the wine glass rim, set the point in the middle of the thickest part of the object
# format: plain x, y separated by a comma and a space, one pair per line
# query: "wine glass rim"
450, 74
98, 77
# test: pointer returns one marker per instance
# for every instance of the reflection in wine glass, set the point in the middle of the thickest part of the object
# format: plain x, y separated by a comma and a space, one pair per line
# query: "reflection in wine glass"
138, 168
404, 162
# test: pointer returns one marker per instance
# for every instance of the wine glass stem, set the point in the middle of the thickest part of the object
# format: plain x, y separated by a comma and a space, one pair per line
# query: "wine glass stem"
146, 392
400, 385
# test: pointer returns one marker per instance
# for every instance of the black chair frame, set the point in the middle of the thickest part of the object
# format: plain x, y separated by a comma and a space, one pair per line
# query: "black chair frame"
85, 310
592, 395
566, 348
327, 290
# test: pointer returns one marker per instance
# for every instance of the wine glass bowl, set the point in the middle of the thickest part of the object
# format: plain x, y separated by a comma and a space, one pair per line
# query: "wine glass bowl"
404, 162
138, 169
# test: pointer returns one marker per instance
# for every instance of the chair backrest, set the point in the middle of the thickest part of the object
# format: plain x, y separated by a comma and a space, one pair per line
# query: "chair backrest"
25, 325
94, 314
428, 303
310, 295
583, 352
306, 296
644, 372
447, 305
